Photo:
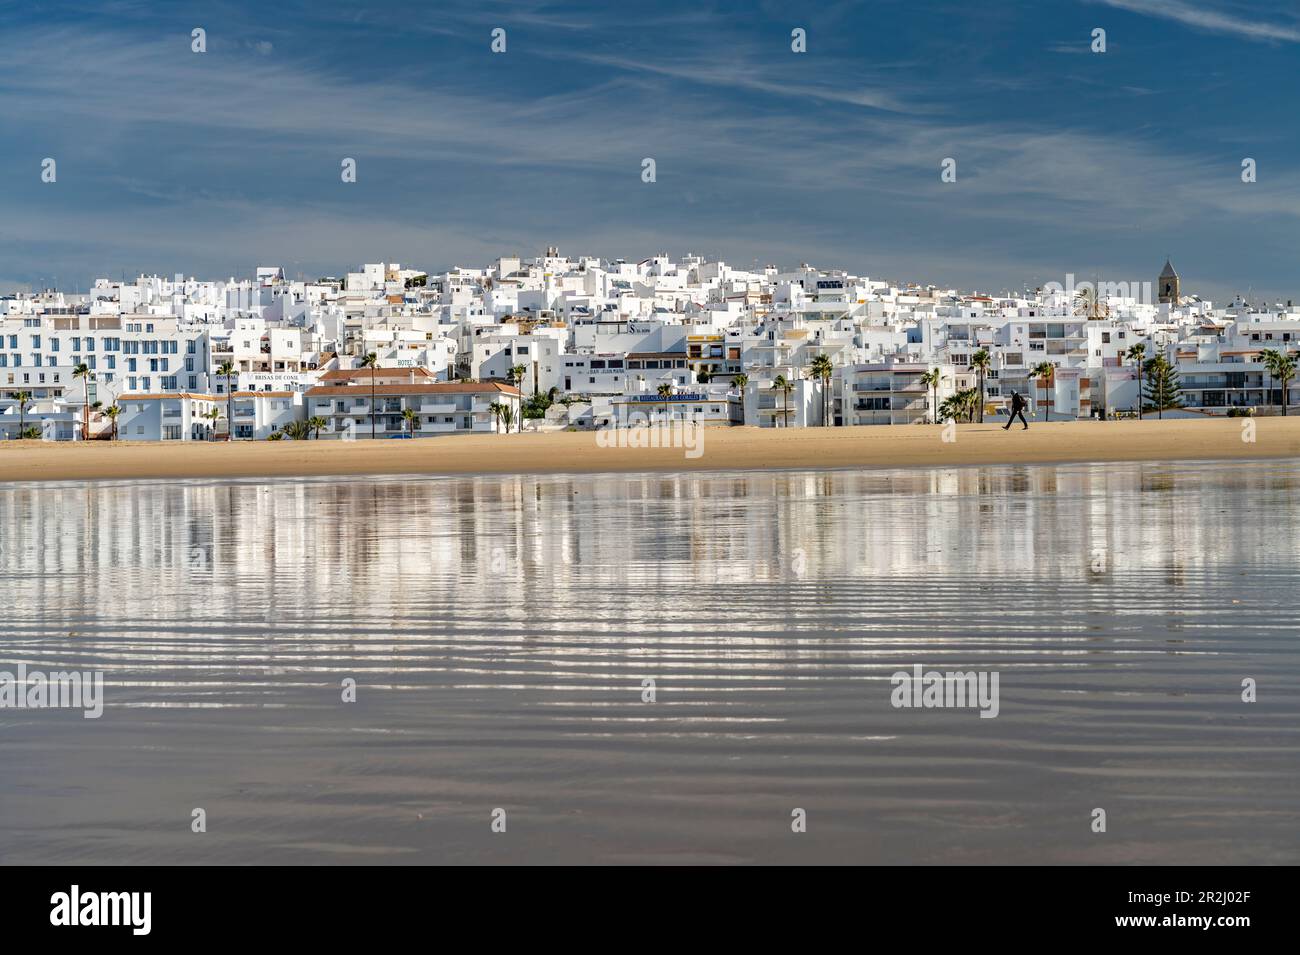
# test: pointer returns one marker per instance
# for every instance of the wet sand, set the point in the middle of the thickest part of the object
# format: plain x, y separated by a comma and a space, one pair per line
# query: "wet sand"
501, 629
722, 449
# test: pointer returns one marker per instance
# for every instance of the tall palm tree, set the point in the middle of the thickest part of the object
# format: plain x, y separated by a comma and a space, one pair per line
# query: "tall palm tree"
83, 372
111, 412
932, 380
227, 369
371, 361
517, 379
496, 408
1137, 353
1044, 371
1087, 304
23, 398
316, 423
214, 415
981, 361
741, 381
785, 386
1281, 368
822, 368
507, 416
1268, 358
411, 419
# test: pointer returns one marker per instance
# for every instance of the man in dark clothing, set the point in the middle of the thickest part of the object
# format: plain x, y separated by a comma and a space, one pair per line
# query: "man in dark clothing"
1017, 410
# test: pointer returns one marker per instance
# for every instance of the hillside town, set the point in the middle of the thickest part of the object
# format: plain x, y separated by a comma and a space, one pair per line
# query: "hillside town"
559, 343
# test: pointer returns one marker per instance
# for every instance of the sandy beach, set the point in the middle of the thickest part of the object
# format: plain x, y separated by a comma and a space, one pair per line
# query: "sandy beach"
722, 449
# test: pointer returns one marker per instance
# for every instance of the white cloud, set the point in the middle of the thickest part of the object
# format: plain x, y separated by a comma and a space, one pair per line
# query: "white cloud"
1210, 19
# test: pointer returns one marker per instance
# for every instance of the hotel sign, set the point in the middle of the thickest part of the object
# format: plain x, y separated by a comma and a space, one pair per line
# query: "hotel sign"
690, 397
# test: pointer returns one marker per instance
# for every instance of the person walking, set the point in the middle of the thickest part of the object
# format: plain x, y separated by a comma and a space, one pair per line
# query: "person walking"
1017, 410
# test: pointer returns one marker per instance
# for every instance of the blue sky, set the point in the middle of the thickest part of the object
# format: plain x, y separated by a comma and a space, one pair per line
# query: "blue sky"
1068, 161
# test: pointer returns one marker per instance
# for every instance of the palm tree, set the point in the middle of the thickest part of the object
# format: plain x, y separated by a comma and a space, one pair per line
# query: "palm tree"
1043, 371
411, 419
932, 379
83, 372
496, 408
1281, 368
1137, 353
23, 398
1087, 304
968, 403
665, 390
981, 361
316, 423
227, 369
822, 368
507, 416
111, 412
214, 415
741, 381
297, 430
371, 361
516, 378
785, 386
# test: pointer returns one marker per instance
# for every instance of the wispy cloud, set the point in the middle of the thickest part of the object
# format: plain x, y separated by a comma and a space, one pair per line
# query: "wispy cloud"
1214, 19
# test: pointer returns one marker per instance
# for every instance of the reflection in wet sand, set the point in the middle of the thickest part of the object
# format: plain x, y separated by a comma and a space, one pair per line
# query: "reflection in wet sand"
500, 630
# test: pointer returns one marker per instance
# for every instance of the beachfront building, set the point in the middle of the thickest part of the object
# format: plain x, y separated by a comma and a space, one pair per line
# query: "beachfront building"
588, 375
713, 405
891, 393
796, 406
437, 409
657, 368
49, 419
169, 416
258, 414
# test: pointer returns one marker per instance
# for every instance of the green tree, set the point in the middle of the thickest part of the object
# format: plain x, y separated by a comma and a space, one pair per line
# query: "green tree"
371, 361
411, 419
297, 430
741, 381
111, 412
317, 424
1044, 372
1281, 368
227, 369
1136, 354
1162, 387
497, 408
24, 400
785, 386
83, 372
981, 361
822, 367
932, 379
